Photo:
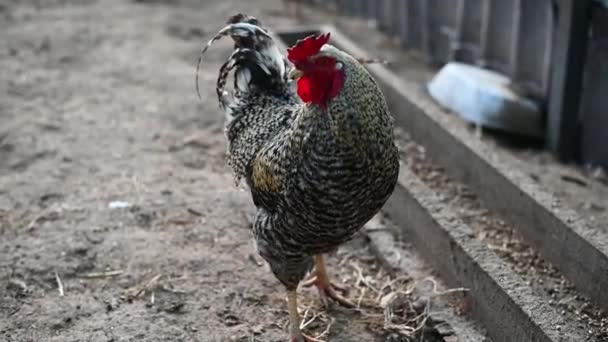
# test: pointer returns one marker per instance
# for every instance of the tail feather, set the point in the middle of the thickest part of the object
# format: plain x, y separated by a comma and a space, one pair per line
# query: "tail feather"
252, 70
256, 59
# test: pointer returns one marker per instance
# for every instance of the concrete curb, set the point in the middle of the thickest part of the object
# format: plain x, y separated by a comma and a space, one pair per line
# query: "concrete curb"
500, 299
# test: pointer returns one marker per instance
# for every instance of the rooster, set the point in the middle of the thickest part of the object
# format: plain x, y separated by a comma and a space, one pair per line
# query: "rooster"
320, 160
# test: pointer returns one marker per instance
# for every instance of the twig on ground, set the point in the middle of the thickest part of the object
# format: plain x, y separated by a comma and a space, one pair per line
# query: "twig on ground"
42, 215
361, 279
327, 328
363, 290
59, 284
441, 293
101, 274
142, 288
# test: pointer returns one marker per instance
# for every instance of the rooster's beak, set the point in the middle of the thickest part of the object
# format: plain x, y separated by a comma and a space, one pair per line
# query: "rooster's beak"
294, 74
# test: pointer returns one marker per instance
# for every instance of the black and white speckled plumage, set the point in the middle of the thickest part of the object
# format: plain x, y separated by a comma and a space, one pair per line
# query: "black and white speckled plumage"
316, 175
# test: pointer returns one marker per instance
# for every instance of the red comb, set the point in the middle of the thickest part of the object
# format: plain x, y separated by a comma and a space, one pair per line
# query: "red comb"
306, 47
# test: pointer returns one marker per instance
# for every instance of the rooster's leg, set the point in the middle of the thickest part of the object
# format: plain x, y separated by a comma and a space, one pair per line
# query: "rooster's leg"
295, 334
327, 289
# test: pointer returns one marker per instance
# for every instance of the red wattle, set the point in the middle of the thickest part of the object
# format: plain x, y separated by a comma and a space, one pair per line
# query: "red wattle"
304, 89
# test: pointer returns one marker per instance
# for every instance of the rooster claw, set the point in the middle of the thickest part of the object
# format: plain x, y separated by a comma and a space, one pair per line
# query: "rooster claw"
327, 291
330, 292
309, 282
313, 281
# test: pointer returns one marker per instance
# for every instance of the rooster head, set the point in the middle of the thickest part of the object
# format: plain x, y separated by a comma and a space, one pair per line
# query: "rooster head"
320, 75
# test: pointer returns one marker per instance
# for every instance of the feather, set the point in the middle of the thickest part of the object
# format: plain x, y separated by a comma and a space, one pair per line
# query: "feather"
247, 36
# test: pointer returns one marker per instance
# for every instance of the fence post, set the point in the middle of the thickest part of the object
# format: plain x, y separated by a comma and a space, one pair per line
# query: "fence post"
403, 20
567, 62
594, 116
425, 29
381, 18
370, 9
532, 52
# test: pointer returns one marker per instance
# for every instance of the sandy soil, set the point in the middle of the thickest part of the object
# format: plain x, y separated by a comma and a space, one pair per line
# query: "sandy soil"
119, 220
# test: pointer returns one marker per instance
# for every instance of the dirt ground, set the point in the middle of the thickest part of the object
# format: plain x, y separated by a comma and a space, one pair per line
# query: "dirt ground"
119, 219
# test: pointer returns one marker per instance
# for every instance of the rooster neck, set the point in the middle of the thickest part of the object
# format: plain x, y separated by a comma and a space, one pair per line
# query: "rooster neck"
341, 129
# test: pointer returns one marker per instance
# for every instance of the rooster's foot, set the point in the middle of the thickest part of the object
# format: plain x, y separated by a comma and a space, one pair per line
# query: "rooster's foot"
327, 289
